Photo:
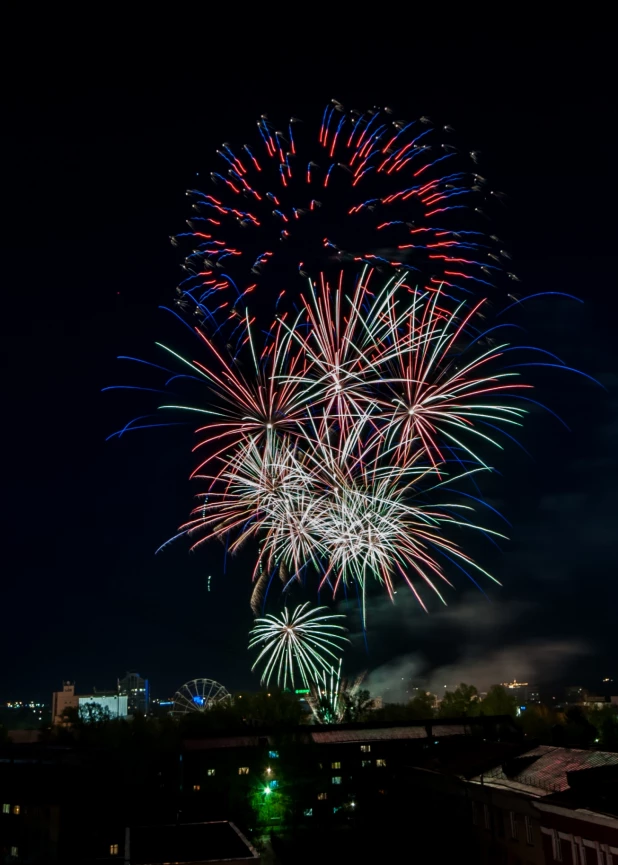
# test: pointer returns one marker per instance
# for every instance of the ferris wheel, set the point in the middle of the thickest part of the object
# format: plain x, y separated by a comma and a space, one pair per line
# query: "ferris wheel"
198, 695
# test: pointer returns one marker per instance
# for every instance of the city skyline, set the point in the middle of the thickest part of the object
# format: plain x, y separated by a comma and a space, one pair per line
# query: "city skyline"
561, 690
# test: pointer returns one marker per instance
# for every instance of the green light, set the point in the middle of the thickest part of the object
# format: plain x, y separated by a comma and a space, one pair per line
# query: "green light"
267, 791
302, 691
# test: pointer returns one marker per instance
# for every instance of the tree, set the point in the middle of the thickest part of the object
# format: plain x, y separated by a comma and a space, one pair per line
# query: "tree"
499, 702
390, 713
605, 720
578, 731
538, 722
274, 708
93, 713
421, 706
357, 705
608, 733
269, 798
464, 700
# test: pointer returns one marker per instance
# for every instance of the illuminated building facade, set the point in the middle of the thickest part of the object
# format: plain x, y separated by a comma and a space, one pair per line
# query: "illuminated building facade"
135, 688
523, 692
63, 700
108, 701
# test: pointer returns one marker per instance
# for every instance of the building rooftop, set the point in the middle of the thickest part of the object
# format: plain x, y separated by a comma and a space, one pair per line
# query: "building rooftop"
194, 843
354, 732
384, 734
545, 769
222, 742
468, 760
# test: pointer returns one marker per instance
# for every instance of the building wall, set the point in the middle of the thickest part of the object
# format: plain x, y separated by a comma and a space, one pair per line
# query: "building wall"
33, 832
135, 688
61, 700
568, 838
507, 826
68, 699
326, 781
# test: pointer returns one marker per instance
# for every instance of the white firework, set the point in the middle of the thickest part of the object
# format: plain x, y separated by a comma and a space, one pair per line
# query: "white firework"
303, 643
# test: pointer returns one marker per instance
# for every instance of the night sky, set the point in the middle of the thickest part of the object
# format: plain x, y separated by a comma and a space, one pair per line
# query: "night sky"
95, 164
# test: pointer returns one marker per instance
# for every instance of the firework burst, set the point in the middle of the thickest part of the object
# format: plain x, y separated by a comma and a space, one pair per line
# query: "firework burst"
302, 644
335, 454
359, 187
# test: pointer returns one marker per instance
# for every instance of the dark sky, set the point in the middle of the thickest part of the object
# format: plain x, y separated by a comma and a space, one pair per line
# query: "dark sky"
95, 163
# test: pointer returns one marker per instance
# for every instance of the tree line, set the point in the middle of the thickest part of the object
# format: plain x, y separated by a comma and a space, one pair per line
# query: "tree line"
573, 726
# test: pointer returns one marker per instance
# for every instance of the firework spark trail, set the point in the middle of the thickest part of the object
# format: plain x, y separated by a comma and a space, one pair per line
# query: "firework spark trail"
331, 696
371, 522
400, 368
334, 453
334, 448
365, 188
246, 408
304, 642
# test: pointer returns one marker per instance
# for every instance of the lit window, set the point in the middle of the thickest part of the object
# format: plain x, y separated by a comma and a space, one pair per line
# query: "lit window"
308, 812
513, 822
243, 770
380, 762
382, 792
16, 809
113, 849
15, 851
322, 796
6, 809
196, 788
365, 749
210, 772
365, 763
336, 779
274, 755
529, 838
335, 765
